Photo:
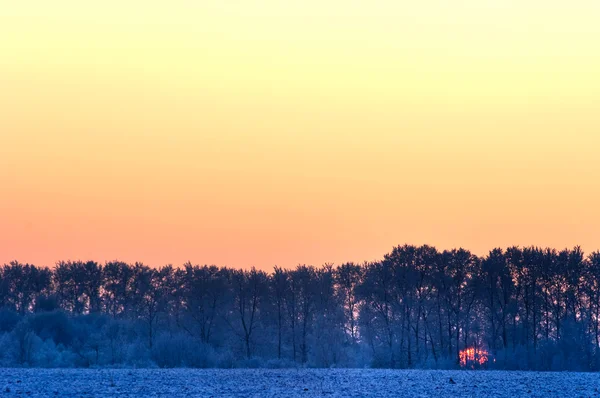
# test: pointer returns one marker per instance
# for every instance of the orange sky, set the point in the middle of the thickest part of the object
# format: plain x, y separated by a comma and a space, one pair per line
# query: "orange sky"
282, 132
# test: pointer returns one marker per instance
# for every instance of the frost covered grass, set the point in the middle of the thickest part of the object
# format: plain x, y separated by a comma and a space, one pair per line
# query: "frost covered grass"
293, 383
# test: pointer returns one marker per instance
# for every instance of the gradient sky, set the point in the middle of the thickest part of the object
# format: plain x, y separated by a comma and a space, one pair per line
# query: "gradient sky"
268, 132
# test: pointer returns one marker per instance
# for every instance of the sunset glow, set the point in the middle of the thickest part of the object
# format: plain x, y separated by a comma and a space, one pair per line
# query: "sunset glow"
283, 132
473, 357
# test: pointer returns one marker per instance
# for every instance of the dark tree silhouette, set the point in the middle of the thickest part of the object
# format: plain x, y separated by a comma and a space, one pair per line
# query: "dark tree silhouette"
530, 307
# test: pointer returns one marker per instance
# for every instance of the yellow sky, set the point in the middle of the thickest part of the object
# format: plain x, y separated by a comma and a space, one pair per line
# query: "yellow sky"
281, 132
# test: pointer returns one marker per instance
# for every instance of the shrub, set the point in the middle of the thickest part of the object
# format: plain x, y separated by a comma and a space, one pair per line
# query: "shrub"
179, 350
8, 319
53, 325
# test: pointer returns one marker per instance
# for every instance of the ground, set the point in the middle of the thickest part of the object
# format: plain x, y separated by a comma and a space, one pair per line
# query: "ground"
292, 383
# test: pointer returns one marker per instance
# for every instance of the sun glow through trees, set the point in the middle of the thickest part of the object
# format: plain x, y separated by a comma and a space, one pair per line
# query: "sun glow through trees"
473, 357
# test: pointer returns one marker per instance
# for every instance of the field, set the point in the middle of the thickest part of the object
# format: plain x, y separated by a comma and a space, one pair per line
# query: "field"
292, 383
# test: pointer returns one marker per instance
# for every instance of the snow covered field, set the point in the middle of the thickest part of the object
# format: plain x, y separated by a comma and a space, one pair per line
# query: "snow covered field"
292, 383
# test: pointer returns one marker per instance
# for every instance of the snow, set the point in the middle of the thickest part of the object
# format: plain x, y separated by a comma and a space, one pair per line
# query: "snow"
292, 383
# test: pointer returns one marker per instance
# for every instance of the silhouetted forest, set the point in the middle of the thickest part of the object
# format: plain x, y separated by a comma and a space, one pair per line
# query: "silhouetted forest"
530, 308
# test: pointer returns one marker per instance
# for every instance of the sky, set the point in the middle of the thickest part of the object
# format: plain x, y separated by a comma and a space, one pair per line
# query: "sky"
272, 132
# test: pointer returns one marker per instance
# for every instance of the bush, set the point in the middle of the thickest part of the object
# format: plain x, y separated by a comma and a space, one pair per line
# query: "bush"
8, 353
138, 355
8, 319
225, 359
26, 343
49, 355
179, 350
251, 363
53, 325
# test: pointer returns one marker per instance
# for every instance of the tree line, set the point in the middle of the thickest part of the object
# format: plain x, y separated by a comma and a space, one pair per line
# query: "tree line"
418, 307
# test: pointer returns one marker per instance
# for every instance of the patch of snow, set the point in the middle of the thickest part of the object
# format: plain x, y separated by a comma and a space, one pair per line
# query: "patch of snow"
293, 383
